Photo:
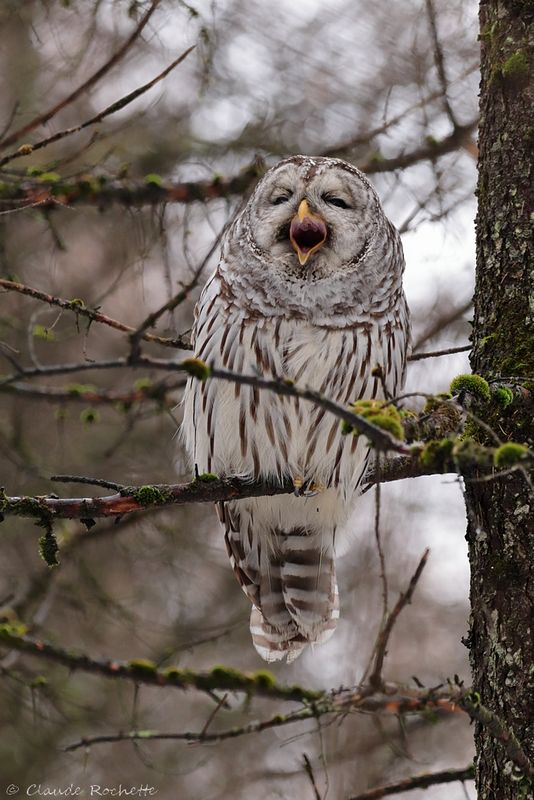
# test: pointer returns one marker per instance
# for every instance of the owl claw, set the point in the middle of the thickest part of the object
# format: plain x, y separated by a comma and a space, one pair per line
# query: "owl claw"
307, 488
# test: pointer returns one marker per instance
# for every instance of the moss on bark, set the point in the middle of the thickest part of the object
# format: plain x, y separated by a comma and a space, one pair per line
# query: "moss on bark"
501, 513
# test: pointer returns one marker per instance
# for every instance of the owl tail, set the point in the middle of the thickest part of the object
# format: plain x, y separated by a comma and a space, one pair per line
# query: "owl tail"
298, 597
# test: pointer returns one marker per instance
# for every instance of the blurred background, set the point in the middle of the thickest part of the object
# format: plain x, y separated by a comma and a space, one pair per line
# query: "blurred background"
391, 88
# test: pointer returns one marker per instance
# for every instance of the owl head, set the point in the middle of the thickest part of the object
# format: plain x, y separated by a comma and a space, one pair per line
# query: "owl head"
313, 231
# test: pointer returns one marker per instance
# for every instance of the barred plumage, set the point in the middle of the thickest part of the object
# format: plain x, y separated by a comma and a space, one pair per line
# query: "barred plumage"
307, 289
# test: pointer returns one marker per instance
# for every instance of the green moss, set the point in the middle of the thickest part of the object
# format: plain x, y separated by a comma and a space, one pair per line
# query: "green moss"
472, 384
515, 68
436, 402
142, 666
488, 32
264, 678
376, 157
142, 383
49, 177
503, 396
207, 477
89, 416
509, 454
76, 303
196, 368
175, 675
379, 413
78, 389
468, 454
48, 548
12, 630
150, 496
226, 677
40, 332
437, 454
521, 362
152, 179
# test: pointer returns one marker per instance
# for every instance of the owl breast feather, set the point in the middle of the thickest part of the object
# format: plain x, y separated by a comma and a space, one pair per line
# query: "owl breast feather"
232, 429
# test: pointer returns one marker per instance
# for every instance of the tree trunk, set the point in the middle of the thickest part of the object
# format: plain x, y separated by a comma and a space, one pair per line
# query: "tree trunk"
501, 512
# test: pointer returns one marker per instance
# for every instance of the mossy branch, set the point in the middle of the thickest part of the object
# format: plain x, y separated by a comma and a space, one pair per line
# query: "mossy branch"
103, 192
391, 698
143, 671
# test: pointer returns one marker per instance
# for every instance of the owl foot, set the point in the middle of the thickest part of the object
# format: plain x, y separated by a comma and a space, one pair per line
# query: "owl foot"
307, 488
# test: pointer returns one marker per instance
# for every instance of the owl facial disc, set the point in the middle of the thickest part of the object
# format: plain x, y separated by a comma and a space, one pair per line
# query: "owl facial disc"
307, 232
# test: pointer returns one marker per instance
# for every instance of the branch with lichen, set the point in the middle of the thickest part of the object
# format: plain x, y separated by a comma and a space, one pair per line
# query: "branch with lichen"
381, 422
144, 390
80, 309
50, 191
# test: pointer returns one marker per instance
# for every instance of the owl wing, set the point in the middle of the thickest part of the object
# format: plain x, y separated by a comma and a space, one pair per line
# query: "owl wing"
243, 551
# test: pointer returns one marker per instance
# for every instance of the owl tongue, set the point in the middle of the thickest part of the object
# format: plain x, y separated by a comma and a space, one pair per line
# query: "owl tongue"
307, 233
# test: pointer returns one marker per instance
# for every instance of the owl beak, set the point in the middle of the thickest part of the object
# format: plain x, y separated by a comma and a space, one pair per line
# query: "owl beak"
307, 232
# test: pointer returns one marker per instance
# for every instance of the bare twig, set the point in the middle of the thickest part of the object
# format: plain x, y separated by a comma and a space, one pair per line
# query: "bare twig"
87, 481
26, 150
87, 84
309, 772
78, 307
378, 539
375, 678
430, 150
421, 781
449, 351
401, 703
368, 136
78, 393
440, 62
221, 703
175, 301
441, 323
276, 721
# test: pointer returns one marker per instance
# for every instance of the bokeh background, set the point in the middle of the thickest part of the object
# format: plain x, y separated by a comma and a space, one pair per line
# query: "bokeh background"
364, 81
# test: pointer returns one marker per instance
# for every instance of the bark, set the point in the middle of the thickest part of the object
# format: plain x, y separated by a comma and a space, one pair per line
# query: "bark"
501, 512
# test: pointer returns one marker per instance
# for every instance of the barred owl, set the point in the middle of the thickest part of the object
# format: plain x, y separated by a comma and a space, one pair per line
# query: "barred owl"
309, 287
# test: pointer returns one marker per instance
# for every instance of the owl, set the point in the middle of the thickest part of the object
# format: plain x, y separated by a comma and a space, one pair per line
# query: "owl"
308, 288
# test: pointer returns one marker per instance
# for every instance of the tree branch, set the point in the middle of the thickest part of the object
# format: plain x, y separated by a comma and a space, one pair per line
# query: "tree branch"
87, 84
27, 149
82, 393
145, 672
421, 781
375, 678
130, 193
78, 307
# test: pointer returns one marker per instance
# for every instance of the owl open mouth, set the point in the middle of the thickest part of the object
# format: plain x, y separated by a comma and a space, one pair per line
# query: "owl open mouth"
307, 233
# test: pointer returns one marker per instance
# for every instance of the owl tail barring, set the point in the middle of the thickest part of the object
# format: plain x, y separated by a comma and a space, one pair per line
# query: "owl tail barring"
298, 601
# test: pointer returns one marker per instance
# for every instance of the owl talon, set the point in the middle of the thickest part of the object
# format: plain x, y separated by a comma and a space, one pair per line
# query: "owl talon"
307, 488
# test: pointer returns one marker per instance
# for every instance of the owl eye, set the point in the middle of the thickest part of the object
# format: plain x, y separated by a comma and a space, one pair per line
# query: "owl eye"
282, 198
335, 201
